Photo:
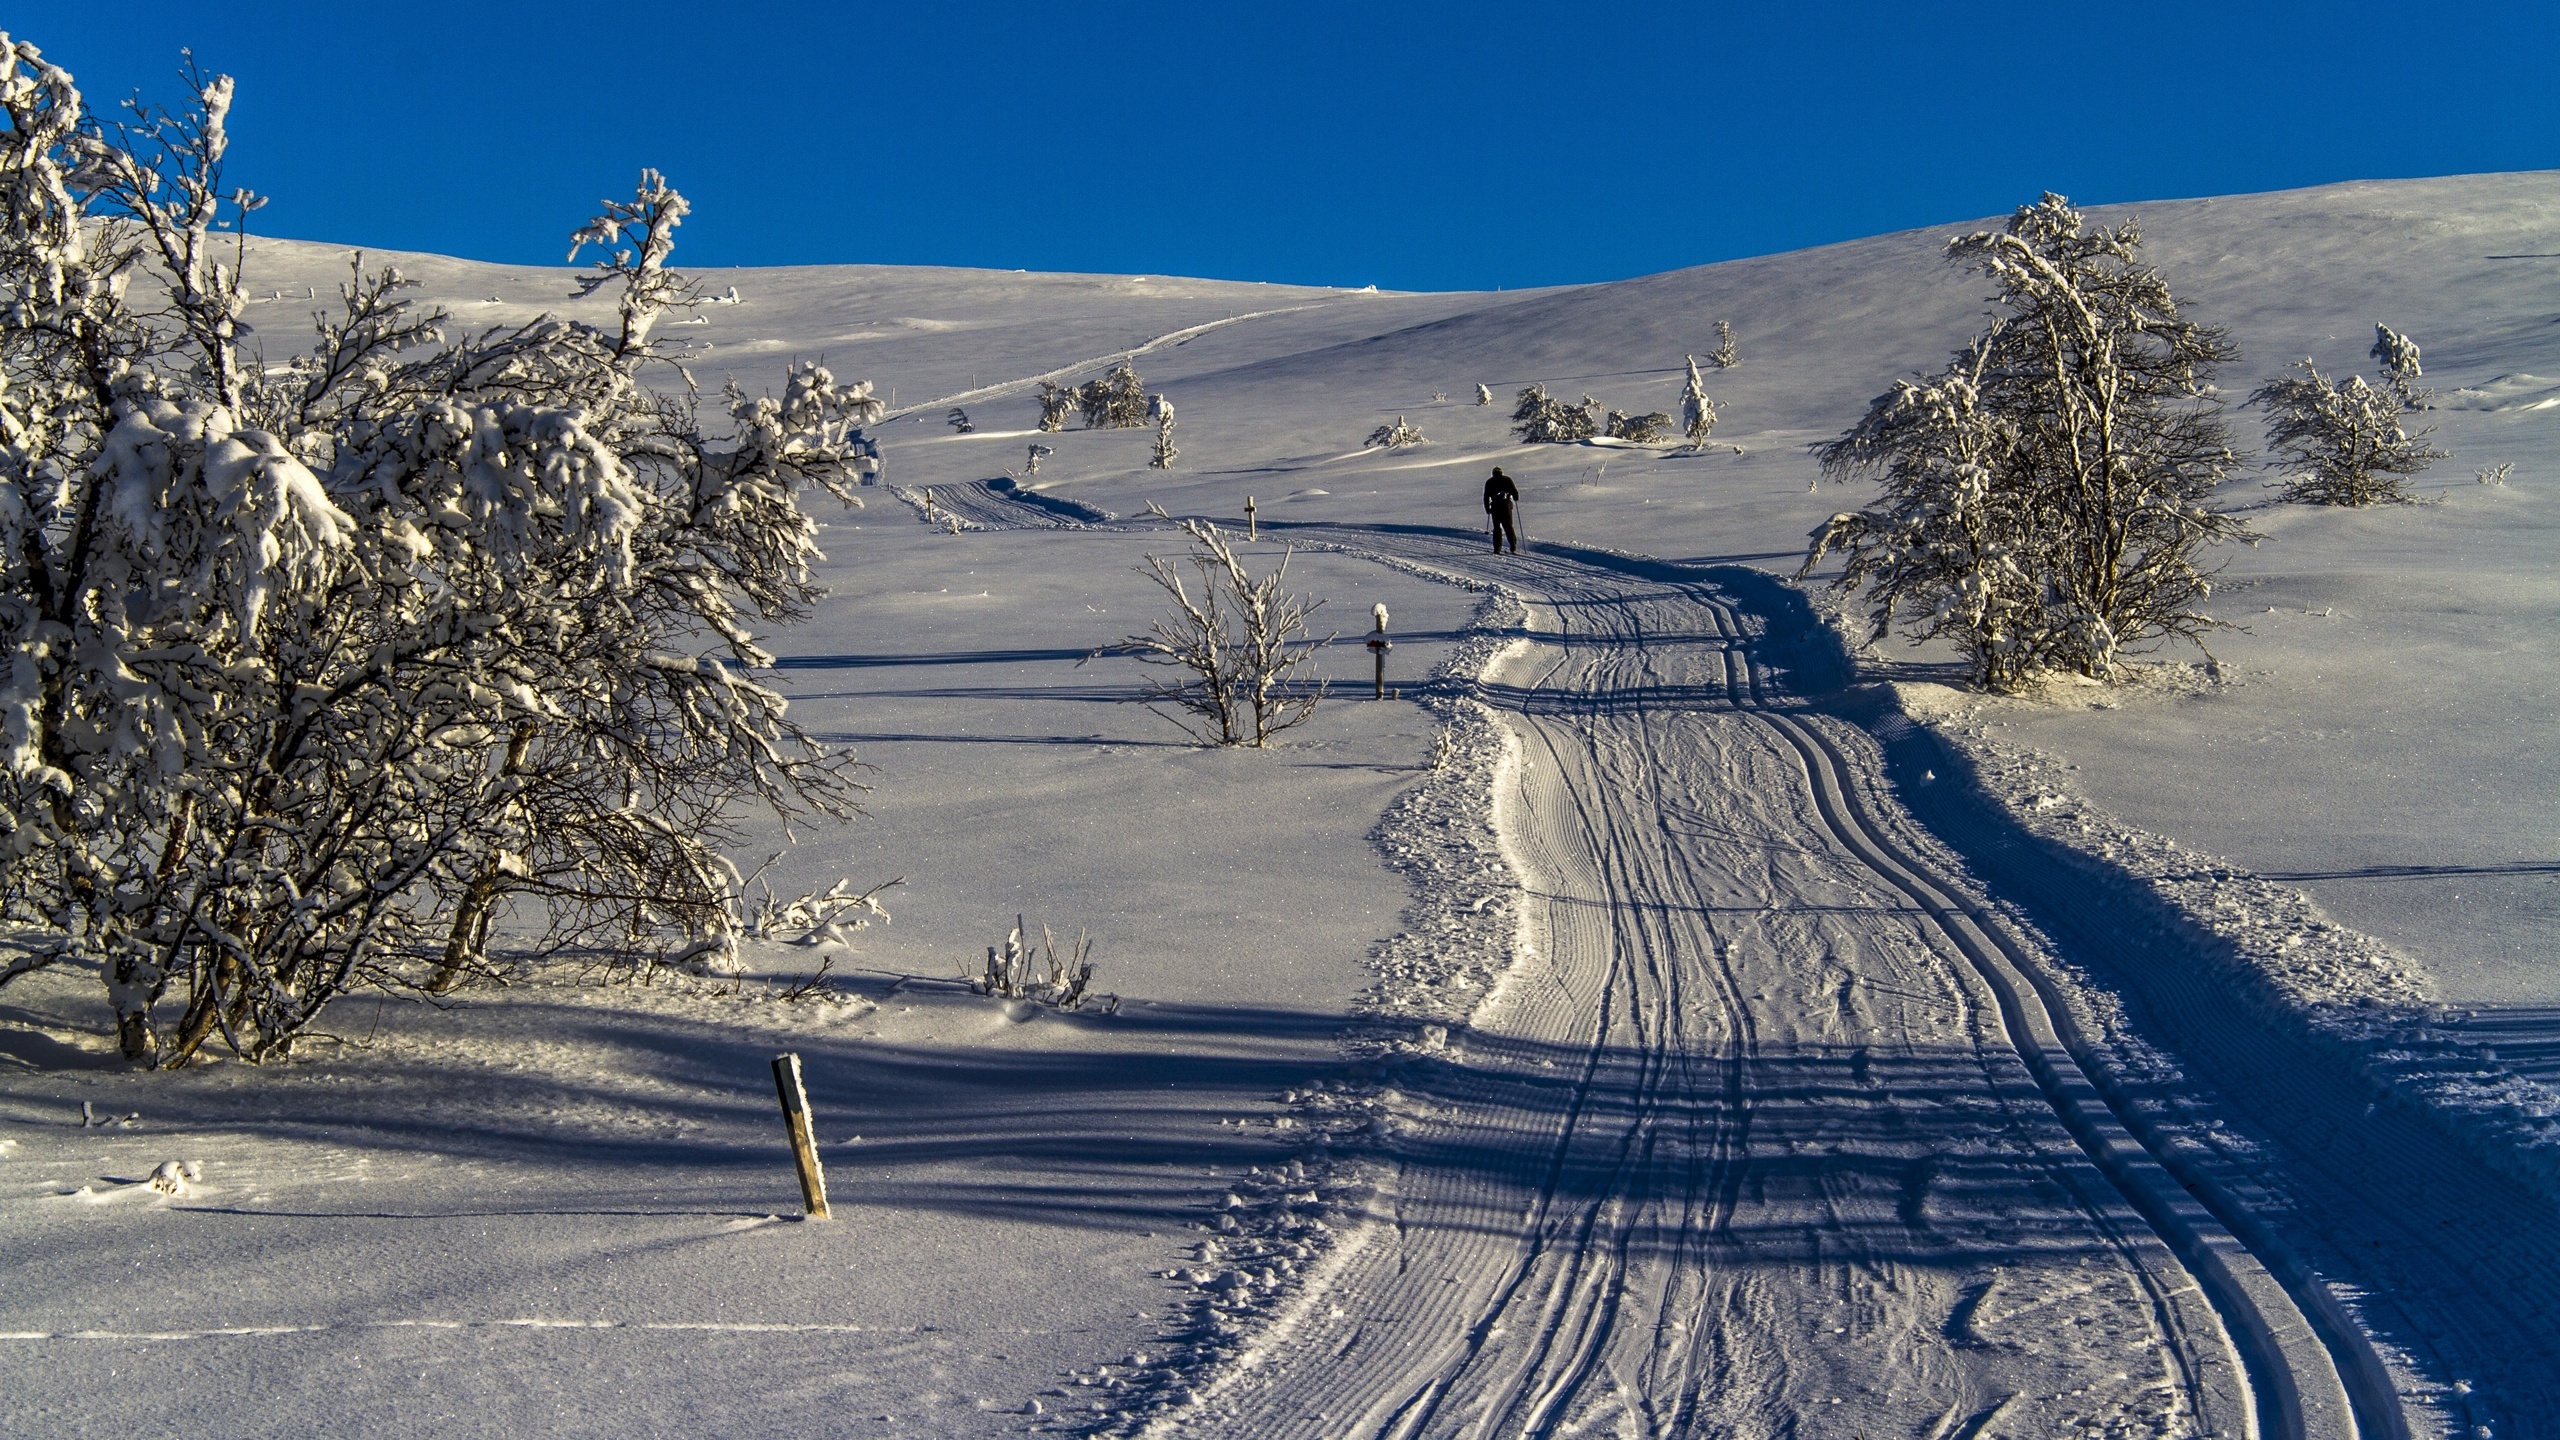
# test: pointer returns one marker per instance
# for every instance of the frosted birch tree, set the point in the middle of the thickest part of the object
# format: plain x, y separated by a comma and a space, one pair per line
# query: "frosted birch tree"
2112, 444
1237, 644
309, 668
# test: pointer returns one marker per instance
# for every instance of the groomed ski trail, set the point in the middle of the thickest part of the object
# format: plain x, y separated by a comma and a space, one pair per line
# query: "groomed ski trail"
1768, 1132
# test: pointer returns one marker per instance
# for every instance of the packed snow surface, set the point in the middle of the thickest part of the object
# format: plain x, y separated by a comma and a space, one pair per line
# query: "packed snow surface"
1666, 1017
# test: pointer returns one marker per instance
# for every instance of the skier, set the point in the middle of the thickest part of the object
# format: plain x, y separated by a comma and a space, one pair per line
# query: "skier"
1501, 498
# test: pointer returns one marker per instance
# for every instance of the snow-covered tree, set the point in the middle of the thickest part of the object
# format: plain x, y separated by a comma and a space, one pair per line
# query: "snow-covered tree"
2342, 444
1165, 454
1651, 428
1728, 354
958, 420
1239, 644
1057, 402
2397, 355
1394, 437
1117, 401
1697, 412
1031, 461
1542, 419
309, 667
1942, 552
2110, 443
1484, 394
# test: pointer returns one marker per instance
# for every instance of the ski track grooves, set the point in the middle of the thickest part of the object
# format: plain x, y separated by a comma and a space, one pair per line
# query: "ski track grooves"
1630, 1291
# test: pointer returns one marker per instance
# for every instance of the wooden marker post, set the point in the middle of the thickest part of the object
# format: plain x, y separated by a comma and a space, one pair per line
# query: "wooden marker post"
1248, 518
1379, 645
804, 1146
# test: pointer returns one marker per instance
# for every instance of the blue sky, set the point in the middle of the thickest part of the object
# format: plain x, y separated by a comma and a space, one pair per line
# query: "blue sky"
1408, 146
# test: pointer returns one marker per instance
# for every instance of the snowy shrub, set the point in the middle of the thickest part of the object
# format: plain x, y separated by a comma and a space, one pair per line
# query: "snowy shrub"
310, 669
1484, 394
1117, 401
1057, 402
1728, 354
820, 917
2397, 354
958, 420
1651, 428
1031, 459
1697, 412
2045, 497
1541, 419
1394, 437
1041, 973
1165, 454
1239, 643
2496, 475
2343, 444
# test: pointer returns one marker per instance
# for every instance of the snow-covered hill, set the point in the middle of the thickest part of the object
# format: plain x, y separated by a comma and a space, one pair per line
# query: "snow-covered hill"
2381, 737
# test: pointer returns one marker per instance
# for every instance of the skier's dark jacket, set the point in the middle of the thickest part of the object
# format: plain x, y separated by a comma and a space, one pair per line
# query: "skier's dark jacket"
1499, 491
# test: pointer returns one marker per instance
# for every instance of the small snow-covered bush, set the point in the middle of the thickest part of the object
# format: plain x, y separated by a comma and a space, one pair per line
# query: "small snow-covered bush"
2343, 443
1031, 458
958, 420
1728, 354
1041, 972
1116, 401
1394, 437
1542, 419
1239, 643
1651, 428
1484, 394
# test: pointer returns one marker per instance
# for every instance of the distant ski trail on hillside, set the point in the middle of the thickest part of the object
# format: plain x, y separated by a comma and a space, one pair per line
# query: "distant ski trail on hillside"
1171, 337
1759, 1137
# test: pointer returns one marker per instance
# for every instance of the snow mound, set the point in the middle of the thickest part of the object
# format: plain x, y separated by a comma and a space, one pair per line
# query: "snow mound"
2505, 394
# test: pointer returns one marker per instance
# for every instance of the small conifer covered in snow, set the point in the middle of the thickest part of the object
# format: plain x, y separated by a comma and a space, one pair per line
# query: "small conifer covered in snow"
2397, 354
1484, 394
958, 420
2343, 444
1394, 437
1697, 412
1165, 454
1057, 402
1031, 460
1728, 354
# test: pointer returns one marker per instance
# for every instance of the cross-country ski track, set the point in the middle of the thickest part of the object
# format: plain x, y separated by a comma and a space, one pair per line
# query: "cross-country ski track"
1779, 1125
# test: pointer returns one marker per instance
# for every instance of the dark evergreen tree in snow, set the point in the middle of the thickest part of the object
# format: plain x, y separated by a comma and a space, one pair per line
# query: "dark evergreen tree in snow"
2046, 498
1117, 401
1651, 428
311, 666
1542, 419
958, 420
2341, 444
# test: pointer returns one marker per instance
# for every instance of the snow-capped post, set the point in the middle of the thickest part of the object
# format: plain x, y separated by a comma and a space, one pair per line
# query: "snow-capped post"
1249, 532
804, 1147
1379, 645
